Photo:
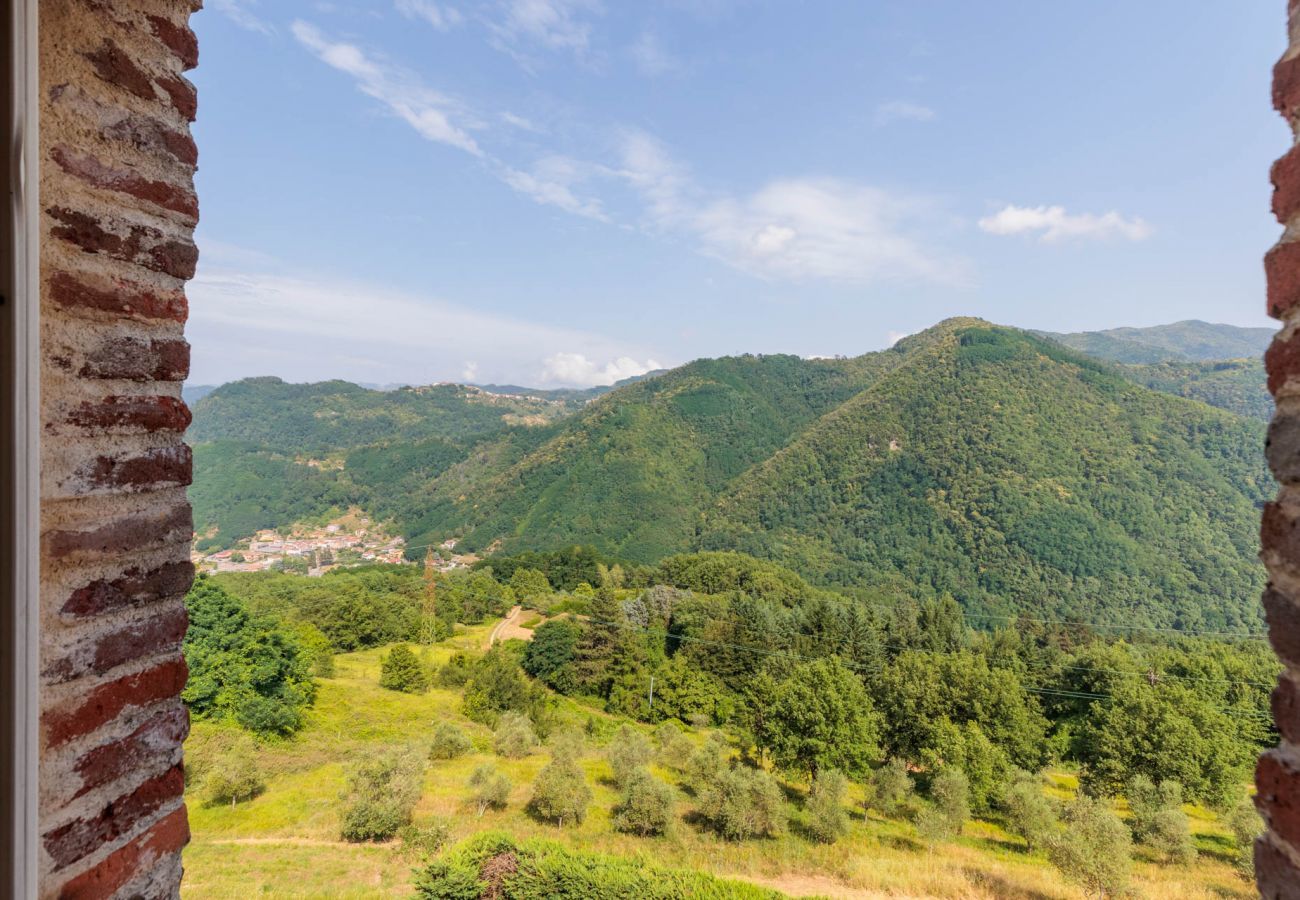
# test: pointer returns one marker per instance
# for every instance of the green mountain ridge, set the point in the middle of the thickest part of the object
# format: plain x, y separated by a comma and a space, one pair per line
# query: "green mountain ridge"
1189, 340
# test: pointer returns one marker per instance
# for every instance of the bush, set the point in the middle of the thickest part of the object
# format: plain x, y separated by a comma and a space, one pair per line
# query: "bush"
569, 743
647, 805
449, 742
424, 840
827, 819
498, 685
629, 752
1158, 819
674, 746
706, 761
489, 788
380, 795
892, 788
514, 737
1029, 811
401, 671
234, 777
1244, 821
456, 671
1095, 849
743, 803
949, 808
560, 793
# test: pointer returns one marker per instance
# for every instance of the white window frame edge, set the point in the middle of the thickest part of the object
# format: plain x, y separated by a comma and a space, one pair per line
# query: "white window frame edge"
20, 456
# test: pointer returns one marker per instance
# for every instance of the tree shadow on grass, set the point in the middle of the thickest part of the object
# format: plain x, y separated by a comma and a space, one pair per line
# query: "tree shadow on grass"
1001, 887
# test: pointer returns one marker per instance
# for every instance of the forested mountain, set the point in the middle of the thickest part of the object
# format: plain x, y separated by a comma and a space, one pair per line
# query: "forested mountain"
1189, 340
971, 460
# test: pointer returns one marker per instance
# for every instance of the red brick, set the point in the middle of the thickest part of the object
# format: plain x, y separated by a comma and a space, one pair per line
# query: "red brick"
160, 634
133, 588
137, 359
120, 298
115, 820
101, 881
124, 181
114, 65
1282, 360
159, 525
178, 38
1285, 176
156, 738
1283, 624
1282, 269
151, 136
108, 701
1286, 709
142, 245
153, 413
184, 98
1278, 796
169, 466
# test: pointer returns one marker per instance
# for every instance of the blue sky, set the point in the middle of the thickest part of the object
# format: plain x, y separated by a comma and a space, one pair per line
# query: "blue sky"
565, 192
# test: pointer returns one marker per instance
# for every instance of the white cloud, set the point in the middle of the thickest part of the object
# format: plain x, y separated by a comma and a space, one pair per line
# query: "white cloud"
903, 110
792, 228
556, 25
1053, 223
425, 110
521, 123
311, 328
651, 58
237, 11
441, 17
576, 368
552, 181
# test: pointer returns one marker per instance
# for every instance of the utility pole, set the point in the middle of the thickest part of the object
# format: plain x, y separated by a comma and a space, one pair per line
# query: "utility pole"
652, 693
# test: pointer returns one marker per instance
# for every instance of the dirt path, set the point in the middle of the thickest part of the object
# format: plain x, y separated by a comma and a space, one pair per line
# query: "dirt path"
509, 628
814, 886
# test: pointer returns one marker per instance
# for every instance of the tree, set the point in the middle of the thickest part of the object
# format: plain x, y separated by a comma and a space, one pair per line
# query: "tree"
1245, 823
743, 803
381, 793
530, 586
449, 742
560, 793
646, 806
891, 788
707, 760
1029, 811
1095, 848
949, 807
514, 737
1158, 820
235, 776
605, 638
823, 718
498, 685
243, 668
629, 752
489, 788
675, 748
402, 671
827, 819
549, 655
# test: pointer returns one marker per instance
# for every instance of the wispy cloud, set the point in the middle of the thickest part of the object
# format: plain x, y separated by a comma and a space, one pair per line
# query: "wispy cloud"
903, 111
239, 13
440, 16
575, 368
1053, 223
554, 25
792, 228
651, 58
250, 322
427, 111
552, 181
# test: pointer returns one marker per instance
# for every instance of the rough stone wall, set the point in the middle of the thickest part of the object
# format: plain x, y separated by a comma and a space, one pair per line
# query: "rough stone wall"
118, 214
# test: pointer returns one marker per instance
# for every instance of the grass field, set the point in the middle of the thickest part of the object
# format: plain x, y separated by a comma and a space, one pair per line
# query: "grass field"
284, 843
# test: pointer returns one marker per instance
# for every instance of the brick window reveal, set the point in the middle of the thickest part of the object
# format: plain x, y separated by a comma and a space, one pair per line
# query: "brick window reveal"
118, 214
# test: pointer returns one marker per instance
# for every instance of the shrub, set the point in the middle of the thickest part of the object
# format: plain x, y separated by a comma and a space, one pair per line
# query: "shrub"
949, 808
449, 742
892, 788
674, 746
234, 776
560, 793
1029, 811
456, 671
569, 744
380, 795
827, 819
489, 788
1244, 821
647, 805
514, 737
401, 671
629, 752
1158, 818
704, 764
743, 803
498, 685
1095, 848
424, 840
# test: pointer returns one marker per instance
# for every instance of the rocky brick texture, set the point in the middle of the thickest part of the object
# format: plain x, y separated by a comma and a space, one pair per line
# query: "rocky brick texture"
118, 215
1277, 853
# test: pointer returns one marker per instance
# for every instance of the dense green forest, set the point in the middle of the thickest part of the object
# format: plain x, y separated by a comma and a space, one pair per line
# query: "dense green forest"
1190, 340
969, 461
